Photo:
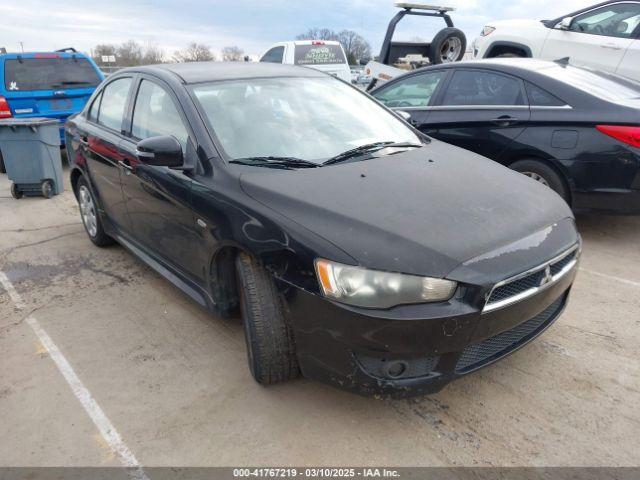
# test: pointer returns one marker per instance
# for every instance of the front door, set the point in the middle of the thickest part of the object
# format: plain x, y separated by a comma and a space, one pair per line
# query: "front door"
158, 199
598, 38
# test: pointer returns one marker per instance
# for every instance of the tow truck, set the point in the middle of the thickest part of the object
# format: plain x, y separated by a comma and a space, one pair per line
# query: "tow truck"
449, 45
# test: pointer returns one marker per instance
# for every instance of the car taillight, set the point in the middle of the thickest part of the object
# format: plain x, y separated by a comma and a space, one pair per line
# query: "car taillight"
5, 111
626, 134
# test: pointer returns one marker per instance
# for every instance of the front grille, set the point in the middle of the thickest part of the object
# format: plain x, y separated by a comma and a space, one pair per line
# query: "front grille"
528, 284
475, 356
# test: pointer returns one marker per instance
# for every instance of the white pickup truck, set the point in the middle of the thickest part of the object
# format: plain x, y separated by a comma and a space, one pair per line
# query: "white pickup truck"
605, 37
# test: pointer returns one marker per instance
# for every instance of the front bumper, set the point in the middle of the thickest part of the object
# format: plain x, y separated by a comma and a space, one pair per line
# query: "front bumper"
430, 345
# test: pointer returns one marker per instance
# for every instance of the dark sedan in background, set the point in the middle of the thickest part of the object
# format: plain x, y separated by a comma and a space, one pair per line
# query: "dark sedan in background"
359, 251
573, 129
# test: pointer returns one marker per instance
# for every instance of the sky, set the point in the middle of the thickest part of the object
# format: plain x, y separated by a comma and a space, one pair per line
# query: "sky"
253, 25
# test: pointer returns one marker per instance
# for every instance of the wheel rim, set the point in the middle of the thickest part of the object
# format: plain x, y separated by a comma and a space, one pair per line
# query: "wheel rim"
451, 49
88, 211
537, 177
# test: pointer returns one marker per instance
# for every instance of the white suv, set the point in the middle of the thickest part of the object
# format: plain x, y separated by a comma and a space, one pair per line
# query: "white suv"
324, 55
605, 37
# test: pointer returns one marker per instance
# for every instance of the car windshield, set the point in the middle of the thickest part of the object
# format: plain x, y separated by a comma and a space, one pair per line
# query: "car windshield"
600, 84
312, 119
49, 74
319, 53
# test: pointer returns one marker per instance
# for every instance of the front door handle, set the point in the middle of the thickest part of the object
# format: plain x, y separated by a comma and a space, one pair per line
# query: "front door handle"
504, 121
611, 46
84, 140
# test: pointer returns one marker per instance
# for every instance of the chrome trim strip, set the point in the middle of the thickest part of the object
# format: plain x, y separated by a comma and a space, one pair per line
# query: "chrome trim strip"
445, 108
489, 307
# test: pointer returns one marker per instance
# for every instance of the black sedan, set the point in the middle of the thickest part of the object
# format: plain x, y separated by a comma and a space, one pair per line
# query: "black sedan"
573, 129
358, 251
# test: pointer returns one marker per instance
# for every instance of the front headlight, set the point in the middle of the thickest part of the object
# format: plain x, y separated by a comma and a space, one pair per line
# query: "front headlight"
374, 289
487, 31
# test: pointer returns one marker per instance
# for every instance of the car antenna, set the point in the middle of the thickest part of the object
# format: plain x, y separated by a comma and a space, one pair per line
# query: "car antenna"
563, 61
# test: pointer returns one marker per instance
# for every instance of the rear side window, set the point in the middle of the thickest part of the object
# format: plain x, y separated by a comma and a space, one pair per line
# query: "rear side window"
274, 55
49, 74
319, 54
155, 115
114, 103
483, 88
415, 91
541, 98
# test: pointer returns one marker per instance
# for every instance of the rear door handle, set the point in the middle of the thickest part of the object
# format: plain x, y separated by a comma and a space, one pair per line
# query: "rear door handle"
126, 166
504, 120
611, 46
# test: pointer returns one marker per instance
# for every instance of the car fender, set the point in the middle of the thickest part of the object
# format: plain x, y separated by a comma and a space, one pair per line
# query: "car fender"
528, 35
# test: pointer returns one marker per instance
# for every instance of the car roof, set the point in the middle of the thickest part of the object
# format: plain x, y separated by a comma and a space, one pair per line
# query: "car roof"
199, 72
43, 54
506, 64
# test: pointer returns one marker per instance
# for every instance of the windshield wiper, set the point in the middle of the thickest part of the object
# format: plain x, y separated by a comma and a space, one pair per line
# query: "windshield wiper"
275, 162
369, 148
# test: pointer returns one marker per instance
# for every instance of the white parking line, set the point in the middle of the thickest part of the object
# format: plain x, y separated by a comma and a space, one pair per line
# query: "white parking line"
611, 277
97, 415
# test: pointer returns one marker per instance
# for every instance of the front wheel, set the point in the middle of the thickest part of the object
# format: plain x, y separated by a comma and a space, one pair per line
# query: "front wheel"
47, 189
544, 174
270, 344
90, 217
15, 191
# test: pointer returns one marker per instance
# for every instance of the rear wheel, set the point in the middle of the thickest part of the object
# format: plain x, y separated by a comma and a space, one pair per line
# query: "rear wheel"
543, 173
47, 189
270, 343
90, 217
15, 192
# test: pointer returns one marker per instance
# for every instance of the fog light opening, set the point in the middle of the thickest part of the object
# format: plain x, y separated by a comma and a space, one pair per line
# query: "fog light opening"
395, 369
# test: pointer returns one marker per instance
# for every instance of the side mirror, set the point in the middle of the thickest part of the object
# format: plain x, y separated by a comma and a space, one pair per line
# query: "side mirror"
163, 151
566, 22
405, 115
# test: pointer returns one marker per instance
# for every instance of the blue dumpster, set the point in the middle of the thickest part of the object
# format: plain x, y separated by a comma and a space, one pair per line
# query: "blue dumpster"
31, 152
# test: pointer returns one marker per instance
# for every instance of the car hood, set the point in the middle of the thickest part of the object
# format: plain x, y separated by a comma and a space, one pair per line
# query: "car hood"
423, 211
517, 23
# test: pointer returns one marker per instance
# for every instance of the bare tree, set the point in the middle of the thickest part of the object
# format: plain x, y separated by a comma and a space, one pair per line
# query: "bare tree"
129, 54
232, 54
355, 46
152, 54
103, 49
316, 33
195, 52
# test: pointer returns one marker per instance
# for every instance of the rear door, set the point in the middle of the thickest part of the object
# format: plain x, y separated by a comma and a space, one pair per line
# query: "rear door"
480, 110
52, 85
100, 139
598, 38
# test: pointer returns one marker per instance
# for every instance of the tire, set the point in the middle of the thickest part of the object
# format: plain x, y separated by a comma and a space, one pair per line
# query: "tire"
93, 227
270, 344
543, 173
440, 50
15, 192
47, 189
3, 169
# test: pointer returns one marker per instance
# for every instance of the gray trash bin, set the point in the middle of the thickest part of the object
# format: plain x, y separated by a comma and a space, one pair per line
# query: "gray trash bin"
31, 152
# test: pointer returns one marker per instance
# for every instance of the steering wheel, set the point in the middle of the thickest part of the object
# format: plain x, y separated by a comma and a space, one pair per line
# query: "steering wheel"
598, 29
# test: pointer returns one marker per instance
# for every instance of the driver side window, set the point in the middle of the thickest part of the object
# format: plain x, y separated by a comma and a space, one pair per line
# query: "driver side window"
618, 20
416, 91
